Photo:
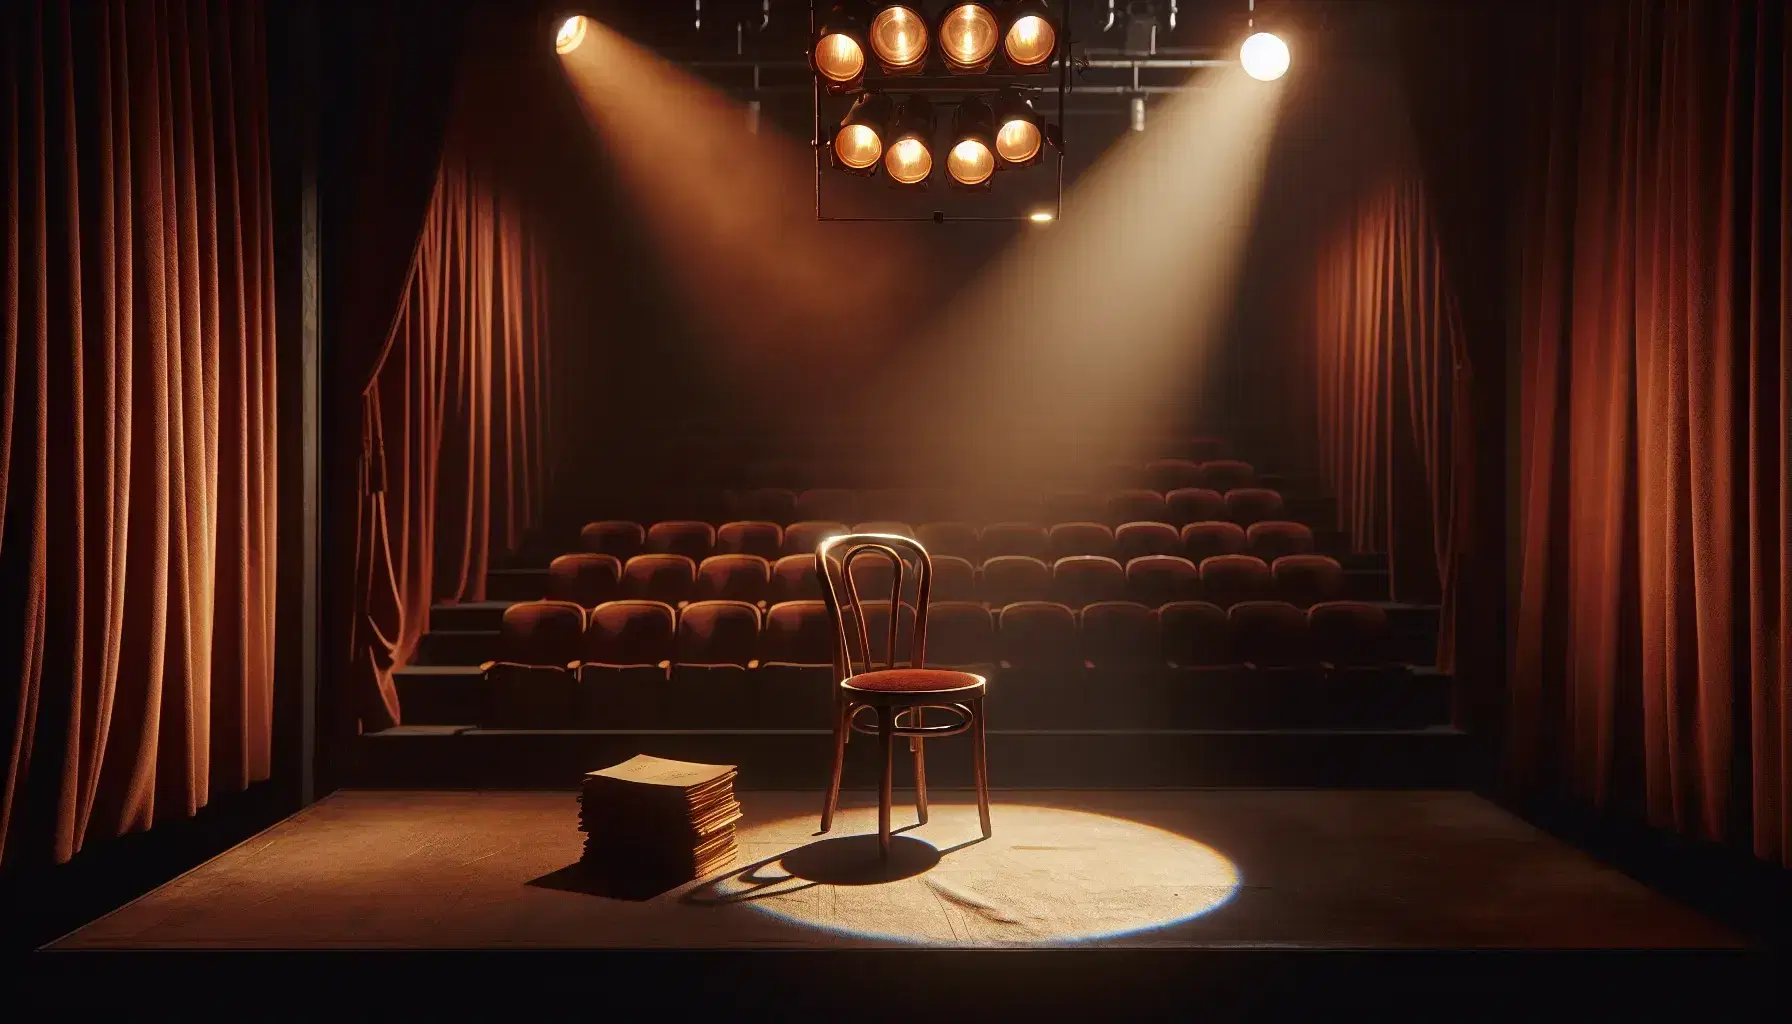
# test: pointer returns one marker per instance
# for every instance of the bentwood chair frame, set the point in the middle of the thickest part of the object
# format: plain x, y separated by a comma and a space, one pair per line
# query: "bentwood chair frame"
901, 712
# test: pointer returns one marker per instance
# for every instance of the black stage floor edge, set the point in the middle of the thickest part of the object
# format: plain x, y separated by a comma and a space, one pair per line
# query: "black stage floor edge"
1062, 983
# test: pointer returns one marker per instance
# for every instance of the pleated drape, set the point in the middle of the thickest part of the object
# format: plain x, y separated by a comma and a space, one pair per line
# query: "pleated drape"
454, 423
1391, 373
137, 421
1652, 672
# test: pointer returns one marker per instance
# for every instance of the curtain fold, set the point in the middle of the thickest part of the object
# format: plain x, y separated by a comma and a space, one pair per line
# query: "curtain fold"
138, 419
454, 420
1652, 645
1391, 373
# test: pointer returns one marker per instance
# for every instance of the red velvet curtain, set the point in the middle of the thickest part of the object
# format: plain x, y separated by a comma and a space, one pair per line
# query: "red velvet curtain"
455, 418
1391, 375
137, 421
1652, 672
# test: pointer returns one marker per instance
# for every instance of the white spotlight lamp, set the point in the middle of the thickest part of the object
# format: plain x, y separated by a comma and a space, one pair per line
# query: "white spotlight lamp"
1265, 56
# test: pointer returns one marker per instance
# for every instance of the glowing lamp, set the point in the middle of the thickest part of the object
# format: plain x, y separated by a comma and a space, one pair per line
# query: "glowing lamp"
899, 39
972, 159
908, 159
1019, 132
859, 142
1264, 56
837, 50
968, 36
1030, 38
570, 34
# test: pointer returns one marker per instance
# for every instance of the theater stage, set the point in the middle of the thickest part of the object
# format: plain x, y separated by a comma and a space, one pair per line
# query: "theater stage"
1182, 870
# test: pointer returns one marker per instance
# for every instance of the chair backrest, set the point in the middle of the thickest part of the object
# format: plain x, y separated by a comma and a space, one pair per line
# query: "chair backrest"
750, 537
584, 578
797, 632
848, 608
630, 633
541, 633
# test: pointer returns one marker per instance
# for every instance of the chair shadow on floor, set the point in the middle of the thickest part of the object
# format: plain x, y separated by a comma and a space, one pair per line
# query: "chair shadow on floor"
838, 860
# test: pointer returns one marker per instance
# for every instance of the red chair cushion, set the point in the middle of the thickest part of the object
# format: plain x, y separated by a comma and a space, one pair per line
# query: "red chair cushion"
912, 680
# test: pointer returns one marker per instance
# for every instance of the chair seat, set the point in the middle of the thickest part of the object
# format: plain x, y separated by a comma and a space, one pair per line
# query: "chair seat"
916, 681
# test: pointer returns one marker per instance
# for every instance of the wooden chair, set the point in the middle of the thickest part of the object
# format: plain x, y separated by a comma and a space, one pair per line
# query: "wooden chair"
901, 693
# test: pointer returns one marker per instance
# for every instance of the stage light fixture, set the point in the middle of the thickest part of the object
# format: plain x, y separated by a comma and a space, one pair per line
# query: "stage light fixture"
909, 157
968, 37
1030, 36
837, 53
971, 161
899, 39
1264, 56
1020, 134
571, 33
859, 143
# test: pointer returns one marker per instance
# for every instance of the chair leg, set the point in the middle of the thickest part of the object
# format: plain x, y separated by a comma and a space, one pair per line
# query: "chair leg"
842, 726
980, 763
920, 773
886, 738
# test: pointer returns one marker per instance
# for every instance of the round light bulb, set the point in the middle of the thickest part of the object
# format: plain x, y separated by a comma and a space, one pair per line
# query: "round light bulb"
1018, 141
857, 146
968, 34
839, 58
1264, 56
909, 161
898, 37
571, 34
1030, 41
970, 162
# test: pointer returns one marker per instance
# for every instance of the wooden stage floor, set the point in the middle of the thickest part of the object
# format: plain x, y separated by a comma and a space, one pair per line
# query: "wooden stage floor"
1305, 869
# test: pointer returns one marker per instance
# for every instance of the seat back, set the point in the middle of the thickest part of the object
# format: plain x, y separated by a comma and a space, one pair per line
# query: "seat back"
1155, 580
692, 539
1011, 578
794, 579
960, 633
1195, 635
804, 536
668, 578
1349, 634
718, 633
1172, 474
1120, 634
1306, 580
849, 607
1204, 540
1138, 539
1194, 505
1037, 634
949, 538
1081, 538
1079, 580
733, 578
751, 537
1136, 506
954, 579
630, 633
1226, 474
1274, 538
616, 537
797, 633
1028, 539
1269, 634
1229, 579
1248, 505
583, 578
541, 633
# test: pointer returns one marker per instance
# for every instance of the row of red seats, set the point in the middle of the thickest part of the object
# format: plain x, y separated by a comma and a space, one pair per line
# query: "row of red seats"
1242, 503
588, 579
633, 634
697, 541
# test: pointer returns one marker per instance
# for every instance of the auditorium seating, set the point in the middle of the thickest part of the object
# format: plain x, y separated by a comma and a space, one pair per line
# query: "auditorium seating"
804, 536
1137, 506
531, 681
1080, 580
1014, 538
1204, 540
1306, 580
625, 661
794, 578
734, 578
1272, 539
659, 577
1194, 505
1008, 579
1228, 579
1078, 538
954, 539
613, 537
694, 540
583, 578
1136, 539
1156, 580
750, 537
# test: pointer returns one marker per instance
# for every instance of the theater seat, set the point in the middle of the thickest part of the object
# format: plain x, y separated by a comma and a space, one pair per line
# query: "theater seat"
762, 538
1120, 635
1226, 474
694, 540
1201, 541
1195, 636
625, 657
954, 579
1137, 506
613, 537
1155, 580
1136, 540
1079, 580
949, 538
1229, 579
659, 577
531, 684
1041, 682
1167, 475
1275, 538
1248, 505
1349, 634
1010, 578
1306, 580
583, 578
1194, 505
734, 578
794, 579
1082, 538
796, 671
1270, 634
1028, 539
804, 536
718, 642
961, 635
